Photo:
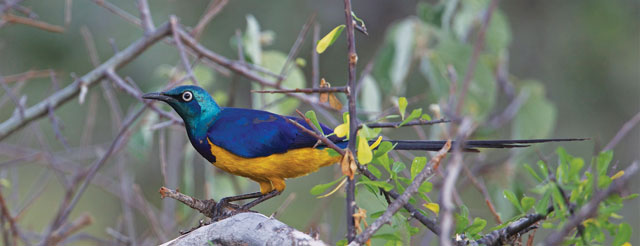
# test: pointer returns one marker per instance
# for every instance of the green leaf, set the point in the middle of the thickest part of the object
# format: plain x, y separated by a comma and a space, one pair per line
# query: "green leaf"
543, 168
477, 226
380, 184
357, 19
403, 41
426, 117
402, 106
430, 13
425, 187
342, 242
513, 199
321, 188
314, 120
532, 172
536, 116
251, 41
376, 214
383, 148
332, 152
375, 171
542, 204
414, 115
370, 99
623, 235
329, 39
527, 203
417, 165
602, 162
398, 167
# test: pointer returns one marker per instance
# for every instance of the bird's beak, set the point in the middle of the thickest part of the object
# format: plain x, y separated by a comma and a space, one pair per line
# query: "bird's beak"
157, 96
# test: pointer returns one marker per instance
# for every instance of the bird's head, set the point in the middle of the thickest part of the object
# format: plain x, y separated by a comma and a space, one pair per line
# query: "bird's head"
196, 107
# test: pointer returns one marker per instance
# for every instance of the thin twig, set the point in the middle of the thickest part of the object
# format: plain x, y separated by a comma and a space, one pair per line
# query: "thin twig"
342, 89
410, 123
119, 12
145, 16
295, 48
60, 97
623, 132
10, 18
117, 142
352, 59
477, 47
173, 20
214, 8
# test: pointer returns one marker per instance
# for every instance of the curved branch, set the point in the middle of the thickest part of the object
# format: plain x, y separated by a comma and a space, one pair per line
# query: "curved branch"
60, 97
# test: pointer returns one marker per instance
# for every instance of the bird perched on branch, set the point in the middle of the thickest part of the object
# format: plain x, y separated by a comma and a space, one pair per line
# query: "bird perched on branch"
266, 147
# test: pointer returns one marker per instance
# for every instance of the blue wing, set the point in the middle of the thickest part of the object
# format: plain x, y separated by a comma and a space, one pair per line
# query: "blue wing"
253, 133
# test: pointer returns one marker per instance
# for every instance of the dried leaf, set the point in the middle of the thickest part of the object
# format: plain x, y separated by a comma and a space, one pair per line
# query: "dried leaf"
348, 164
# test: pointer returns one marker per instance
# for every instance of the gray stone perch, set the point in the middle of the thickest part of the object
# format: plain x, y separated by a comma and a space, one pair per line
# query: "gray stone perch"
245, 229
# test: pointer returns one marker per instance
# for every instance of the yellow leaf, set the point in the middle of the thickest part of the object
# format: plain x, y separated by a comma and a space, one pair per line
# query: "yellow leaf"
376, 143
434, 207
364, 152
334, 189
617, 175
324, 97
328, 39
626, 244
341, 130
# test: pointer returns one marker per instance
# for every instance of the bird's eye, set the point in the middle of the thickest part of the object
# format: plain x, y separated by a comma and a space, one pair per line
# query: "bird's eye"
187, 96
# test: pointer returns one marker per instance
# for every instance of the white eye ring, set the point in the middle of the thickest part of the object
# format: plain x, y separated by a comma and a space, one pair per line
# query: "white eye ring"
187, 96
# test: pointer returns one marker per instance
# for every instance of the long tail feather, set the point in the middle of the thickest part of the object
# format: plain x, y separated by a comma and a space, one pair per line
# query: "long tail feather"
474, 145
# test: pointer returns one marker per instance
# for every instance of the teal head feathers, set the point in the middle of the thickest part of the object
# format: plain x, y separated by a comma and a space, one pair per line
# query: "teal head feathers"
196, 107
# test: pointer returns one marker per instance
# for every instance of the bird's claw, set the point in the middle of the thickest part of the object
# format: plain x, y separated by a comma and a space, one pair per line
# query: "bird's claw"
223, 209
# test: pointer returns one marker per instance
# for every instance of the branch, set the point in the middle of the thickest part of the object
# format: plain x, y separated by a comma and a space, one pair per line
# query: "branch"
60, 97
404, 198
410, 123
352, 59
342, 89
245, 229
31, 22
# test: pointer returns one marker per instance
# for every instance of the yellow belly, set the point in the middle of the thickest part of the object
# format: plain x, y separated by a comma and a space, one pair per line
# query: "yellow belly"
270, 171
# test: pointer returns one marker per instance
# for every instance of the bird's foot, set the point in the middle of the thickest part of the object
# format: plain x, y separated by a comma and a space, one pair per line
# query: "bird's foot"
224, 209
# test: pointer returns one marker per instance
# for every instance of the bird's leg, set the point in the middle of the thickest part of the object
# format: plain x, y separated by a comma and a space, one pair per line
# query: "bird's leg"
260, 199
224, 202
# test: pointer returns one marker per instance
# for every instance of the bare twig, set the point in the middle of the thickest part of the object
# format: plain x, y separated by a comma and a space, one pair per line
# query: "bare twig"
295, 48
448, 188
117, 142
623, 132
477, 47
31, 74
352, 59
60, 97
10, 18
410, 123
213, 9
79, 223
342, 89
173, 20
145, 16
119, 12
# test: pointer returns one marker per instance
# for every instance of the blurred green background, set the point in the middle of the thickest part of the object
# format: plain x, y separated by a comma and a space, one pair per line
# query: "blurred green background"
585, 53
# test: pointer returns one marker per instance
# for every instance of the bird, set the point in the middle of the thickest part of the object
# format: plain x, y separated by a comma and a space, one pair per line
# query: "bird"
266, 147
